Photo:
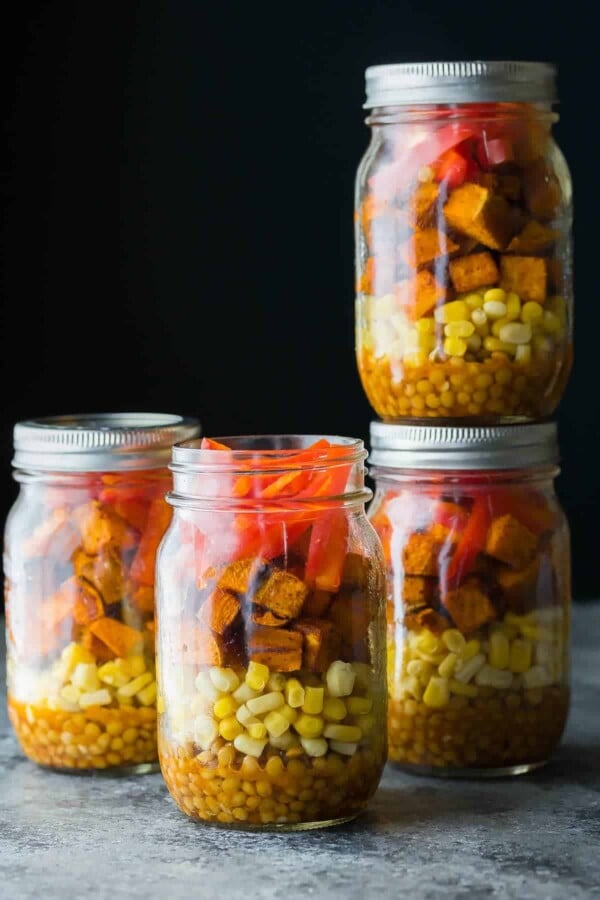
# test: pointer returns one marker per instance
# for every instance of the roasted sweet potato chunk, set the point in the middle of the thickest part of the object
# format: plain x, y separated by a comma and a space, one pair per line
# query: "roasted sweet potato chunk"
99, 526
425, 246
321, 643
143, 599
88, 605
121, 639
511, 542
277, 648
202, 648
422, 203
418, 591
470, 606
542, 190
475, 271
425, 618
351, 616
519, 587
242, 576
534, 238
316, 604
420, 555
265, 617
419, 295
477, 212
282, 593
104, 572
525, 275
219, 611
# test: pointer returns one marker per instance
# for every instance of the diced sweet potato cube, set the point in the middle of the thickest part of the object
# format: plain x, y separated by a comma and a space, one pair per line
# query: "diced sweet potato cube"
121, 639
541, 190
425, 618
277, 648
422, 203
282, 593
143, 599
474, 210
202, 648
219, 611
554, 269
356, 571
519, 587
317, 603
508, 186
321, 643
265, 617
419, 295
88, 605
525, 275
420, 555
470, 606
98, 526
96, 647
534, 238
351, 616
425, 246
511, 542
242, 575
471, 272
104, 572
418, 591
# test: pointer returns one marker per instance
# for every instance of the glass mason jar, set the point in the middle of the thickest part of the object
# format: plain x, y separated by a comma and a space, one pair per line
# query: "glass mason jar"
477, 554
463, 253
271, 634
79, 555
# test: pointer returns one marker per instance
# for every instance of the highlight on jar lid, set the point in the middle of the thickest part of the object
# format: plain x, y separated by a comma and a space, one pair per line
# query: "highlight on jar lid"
99, 442
465, 447
460, 82
300, 467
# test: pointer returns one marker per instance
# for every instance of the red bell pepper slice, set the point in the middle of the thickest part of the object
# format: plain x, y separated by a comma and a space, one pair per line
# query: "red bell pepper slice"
494, 151
450, 515
529, 507
327, 551
142, 567
210, 444
470, 544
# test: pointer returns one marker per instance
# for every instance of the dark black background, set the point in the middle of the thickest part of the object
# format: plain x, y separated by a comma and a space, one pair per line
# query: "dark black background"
177, 184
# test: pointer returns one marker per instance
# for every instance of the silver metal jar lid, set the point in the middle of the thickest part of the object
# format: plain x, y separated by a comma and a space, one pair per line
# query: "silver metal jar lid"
436, 447
460, 82
106, 442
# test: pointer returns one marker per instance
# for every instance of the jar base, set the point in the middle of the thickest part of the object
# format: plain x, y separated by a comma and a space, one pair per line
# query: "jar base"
280, 826
461, 772
108, 772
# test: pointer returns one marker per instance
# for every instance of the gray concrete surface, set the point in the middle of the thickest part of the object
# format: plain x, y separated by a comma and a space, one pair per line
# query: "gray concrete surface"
77, 838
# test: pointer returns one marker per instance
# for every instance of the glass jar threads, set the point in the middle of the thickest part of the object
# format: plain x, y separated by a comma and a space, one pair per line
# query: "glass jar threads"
463, 252
271, 634
79, 554
477, 555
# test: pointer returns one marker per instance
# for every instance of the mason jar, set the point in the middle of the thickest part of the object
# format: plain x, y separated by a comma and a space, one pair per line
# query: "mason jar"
271, 633
478, 574
463, 243
79, 554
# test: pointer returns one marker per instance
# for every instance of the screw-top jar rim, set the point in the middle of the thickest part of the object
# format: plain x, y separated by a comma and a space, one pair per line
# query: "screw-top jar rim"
102, 442
481, 81
463, 448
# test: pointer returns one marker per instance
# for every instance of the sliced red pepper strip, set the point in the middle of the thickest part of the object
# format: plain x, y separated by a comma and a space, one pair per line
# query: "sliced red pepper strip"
450, 515
210, 444
142, 567
327, 551
135, 512
530, 508
470, 544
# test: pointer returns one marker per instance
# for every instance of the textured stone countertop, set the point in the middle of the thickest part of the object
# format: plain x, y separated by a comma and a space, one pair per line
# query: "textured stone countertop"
75, 837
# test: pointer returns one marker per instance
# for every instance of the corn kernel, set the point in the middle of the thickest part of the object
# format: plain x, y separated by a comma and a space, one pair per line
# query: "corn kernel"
265, 703
206, 688
513, 306
243, 714
461, 329
463, 690
276, 724
309, 726
256, 729
147, 696
109, 674
224, 680
70, 693
340, 679
520, 655
489, 676
499, 650
225, 707
494, 295
523, 354
229, 728
72, 655
470, 667
437, 693
537, 677
359, 706
437, 377
532, 312
474, 301
427, 642
342, 747
425, 325
247, 745
478, 318
454, 640
285, 741
257, 676
552, 324
498, 325
288, 712
448, 665
314, 746
132, 688
85, 677
313, 700
515, 333
348, 734
414, 687
95, 698
474, 343
243, 693
294, 693
455, 346
492, 345
455, 311
366, 723
334, 709
137, 665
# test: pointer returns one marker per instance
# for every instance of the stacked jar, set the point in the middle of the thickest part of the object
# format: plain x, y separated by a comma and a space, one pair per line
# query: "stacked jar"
79, 553
464, 316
